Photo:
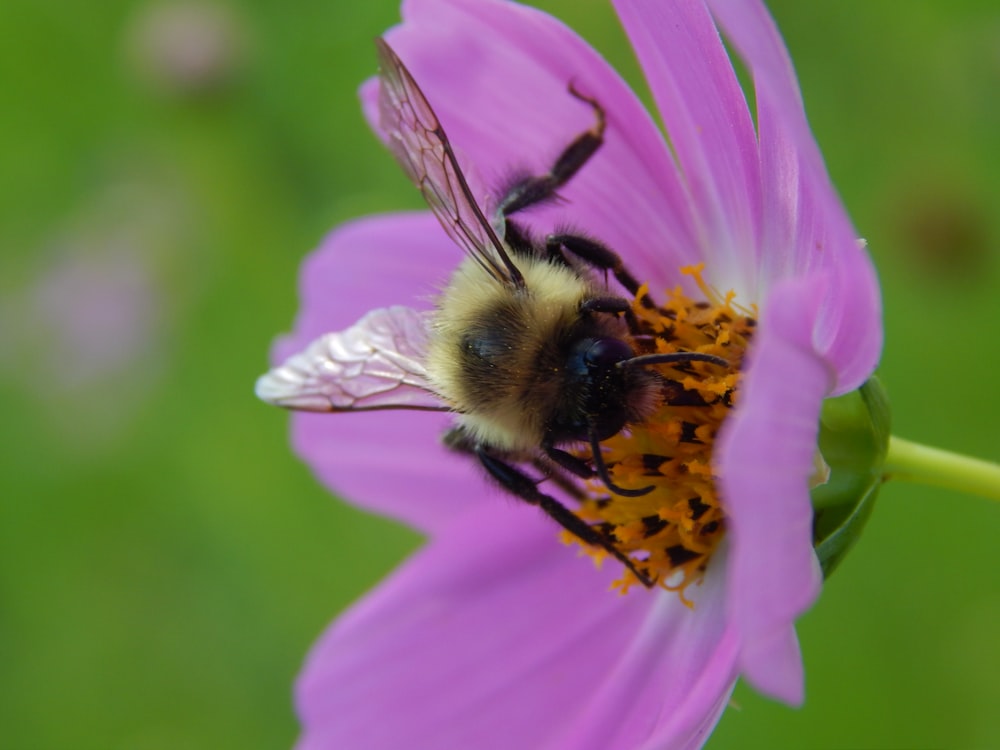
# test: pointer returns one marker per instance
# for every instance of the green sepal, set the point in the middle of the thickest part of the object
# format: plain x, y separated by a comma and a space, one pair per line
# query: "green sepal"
853, 440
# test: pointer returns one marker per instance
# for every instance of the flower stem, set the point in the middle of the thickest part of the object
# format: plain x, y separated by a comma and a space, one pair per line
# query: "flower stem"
913, 462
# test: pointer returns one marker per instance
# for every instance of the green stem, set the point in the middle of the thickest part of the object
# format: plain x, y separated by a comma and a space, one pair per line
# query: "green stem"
913, 462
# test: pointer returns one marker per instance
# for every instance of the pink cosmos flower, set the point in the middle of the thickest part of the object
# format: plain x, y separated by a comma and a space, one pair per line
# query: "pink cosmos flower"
495, 635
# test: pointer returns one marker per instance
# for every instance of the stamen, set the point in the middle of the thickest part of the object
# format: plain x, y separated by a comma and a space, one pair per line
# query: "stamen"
654, 494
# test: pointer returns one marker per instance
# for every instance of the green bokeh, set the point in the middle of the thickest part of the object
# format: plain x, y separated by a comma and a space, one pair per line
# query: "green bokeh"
166, 562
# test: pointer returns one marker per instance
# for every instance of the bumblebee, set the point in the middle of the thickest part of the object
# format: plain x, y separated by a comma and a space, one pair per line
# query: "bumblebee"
527, 345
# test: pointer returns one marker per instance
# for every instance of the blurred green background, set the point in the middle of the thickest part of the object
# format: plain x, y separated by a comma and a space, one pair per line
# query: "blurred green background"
165, 561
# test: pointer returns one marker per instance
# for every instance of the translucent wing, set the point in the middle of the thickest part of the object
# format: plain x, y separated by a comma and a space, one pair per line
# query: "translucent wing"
420, 145
375, 364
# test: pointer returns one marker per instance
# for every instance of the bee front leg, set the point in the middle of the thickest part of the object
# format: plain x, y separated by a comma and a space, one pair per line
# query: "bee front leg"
524, 487
568, 462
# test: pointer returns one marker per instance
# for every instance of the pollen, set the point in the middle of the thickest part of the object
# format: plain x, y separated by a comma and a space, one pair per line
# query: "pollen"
671, 532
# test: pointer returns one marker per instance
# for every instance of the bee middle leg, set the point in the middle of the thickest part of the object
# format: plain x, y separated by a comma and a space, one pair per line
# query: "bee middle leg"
596, 255
614, 305
524, 487
535, 189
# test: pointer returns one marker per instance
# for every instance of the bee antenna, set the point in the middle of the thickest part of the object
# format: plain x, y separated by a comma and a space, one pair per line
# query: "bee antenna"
602, 471
669, 358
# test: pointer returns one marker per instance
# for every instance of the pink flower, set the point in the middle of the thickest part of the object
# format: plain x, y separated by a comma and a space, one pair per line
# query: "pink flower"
494, 635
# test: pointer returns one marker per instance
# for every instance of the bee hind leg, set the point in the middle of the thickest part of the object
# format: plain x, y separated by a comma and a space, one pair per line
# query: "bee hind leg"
535, 189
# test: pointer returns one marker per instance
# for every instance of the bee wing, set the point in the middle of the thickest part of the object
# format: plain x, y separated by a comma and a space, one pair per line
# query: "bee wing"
420, 145
375, 364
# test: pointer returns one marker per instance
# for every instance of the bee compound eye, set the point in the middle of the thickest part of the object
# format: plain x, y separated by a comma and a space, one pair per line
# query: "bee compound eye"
607, 352
606, 391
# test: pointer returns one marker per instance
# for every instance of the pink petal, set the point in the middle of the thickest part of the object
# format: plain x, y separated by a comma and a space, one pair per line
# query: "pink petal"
709, 125
751, 29
765, 459
671, 685
497, 636
392, 463
505, 630
378, 261
497, 75
806, 226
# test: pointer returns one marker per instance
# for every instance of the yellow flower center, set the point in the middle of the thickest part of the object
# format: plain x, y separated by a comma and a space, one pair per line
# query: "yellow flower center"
671, 531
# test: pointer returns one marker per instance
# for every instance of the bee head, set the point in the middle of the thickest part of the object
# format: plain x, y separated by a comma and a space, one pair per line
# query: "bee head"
598, 388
